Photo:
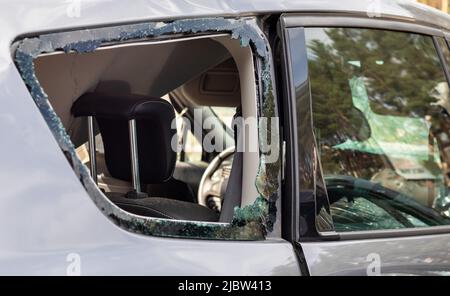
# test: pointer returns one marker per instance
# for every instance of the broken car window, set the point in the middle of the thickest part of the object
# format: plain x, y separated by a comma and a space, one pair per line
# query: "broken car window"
130, 115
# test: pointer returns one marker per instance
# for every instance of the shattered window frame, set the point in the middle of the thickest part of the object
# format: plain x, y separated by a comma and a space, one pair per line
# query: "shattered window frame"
252, 222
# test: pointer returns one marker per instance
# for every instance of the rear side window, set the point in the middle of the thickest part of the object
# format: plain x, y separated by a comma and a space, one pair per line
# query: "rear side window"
91, 88
380, 104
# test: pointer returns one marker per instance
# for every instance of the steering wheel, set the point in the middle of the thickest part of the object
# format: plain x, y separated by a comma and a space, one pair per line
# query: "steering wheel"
214, 180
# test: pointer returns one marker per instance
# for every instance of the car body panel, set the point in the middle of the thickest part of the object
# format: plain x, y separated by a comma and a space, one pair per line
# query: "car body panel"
48, 221
421, 255
46, 216
26, 16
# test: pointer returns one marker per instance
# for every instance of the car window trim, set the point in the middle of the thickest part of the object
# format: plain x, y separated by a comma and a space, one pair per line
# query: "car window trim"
394, 233
440, 53
389, 24
291, 209
347, 21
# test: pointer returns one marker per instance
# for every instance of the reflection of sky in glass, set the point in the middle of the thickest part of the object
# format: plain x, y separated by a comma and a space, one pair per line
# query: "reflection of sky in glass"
318, 34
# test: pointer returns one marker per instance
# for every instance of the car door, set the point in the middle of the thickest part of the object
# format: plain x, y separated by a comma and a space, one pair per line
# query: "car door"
51, 219
366, 124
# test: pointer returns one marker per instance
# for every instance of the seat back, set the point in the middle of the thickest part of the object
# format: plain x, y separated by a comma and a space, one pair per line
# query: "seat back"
154, 116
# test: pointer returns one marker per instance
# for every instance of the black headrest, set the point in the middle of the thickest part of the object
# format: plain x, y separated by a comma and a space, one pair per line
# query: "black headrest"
153, 116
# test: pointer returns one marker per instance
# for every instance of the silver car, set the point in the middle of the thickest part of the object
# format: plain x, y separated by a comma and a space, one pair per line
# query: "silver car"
224, 138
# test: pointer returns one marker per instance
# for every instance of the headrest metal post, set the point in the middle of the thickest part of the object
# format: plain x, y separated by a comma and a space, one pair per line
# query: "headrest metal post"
134, 156
92, 149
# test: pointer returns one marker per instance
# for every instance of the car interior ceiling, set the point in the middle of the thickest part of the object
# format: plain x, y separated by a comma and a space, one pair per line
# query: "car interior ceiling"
117, 85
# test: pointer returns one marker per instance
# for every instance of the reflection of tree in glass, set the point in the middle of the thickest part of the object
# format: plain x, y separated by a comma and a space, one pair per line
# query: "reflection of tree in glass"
400, 71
